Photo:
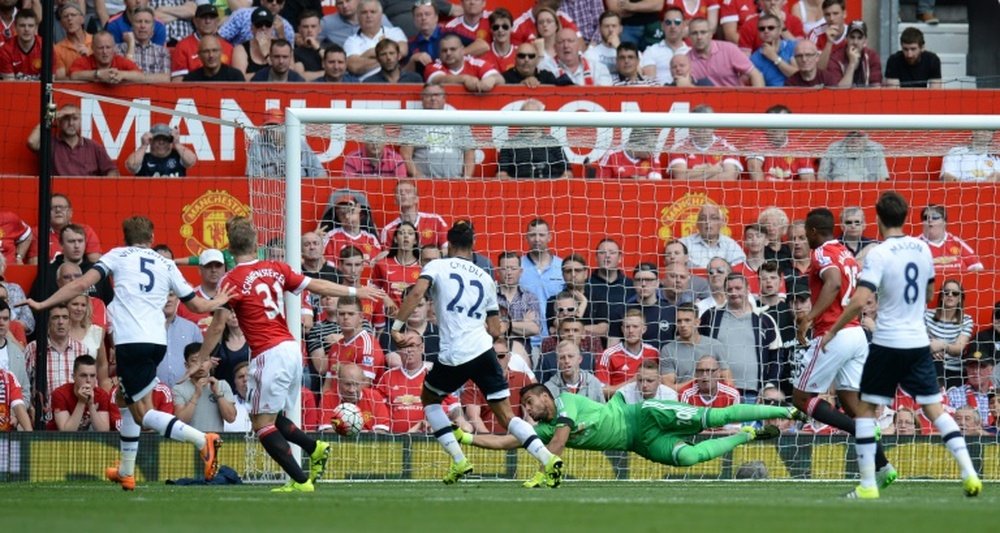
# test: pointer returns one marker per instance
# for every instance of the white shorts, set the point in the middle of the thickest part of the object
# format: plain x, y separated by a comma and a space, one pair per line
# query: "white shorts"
842, 360
275, 379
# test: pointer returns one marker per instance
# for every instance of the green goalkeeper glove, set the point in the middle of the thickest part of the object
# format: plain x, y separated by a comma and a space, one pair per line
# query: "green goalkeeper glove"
461, 436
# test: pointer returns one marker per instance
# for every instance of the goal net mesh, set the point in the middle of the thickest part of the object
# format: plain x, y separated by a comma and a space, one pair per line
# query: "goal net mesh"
644, 187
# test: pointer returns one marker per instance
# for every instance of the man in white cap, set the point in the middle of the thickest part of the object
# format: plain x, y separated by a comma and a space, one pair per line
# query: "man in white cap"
211, 266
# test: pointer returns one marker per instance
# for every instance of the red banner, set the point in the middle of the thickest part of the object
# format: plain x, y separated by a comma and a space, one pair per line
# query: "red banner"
640, 215
221, 149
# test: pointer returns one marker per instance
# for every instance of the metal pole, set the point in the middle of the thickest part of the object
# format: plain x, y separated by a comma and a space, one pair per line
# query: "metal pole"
47, 111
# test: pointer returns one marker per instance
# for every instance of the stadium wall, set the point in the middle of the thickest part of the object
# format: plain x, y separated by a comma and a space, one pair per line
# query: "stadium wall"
56, 457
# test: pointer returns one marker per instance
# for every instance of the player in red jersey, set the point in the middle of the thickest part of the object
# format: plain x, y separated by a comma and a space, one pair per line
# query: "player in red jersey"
620, 363
833, 276
13, 411
258, 289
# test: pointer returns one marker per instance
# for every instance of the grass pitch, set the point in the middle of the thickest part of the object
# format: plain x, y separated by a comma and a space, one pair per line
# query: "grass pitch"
473, 507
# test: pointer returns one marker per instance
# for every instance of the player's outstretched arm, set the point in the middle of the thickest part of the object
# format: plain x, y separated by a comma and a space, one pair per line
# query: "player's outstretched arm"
410, 302
213, 335
559, 439
329, 288
853, 309
201, 305
66, 292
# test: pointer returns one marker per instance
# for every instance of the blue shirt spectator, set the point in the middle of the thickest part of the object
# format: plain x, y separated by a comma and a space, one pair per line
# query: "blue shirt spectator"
773, 77
119, 25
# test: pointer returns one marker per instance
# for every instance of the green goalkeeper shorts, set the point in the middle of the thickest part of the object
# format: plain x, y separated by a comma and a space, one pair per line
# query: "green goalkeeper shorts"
663, 425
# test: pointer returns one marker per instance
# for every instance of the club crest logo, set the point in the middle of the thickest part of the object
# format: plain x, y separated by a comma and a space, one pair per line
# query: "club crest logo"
204, 220
680, 218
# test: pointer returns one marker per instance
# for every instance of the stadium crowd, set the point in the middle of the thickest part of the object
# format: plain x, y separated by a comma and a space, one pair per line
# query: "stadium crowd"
712, 324
730, 43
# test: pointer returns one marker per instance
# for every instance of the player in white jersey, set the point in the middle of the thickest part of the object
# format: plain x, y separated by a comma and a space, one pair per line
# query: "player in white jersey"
143, 279
465, 297
901, 270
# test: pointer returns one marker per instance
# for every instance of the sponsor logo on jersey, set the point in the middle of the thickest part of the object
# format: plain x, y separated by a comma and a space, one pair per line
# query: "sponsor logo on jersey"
208, 213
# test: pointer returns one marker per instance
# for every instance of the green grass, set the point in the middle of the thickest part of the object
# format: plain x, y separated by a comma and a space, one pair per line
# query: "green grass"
499, 506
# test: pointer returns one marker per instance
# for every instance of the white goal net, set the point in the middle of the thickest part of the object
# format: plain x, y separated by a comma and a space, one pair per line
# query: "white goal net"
615, 192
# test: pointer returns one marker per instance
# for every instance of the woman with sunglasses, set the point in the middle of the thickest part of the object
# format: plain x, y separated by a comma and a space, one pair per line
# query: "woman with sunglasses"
950, 329
252, 56
951, 254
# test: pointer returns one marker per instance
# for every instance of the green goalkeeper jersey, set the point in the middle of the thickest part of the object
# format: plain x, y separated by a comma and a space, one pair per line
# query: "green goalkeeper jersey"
593, 426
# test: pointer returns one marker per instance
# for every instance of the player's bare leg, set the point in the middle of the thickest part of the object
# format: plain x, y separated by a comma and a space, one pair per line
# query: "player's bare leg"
441, 426
516, 426
821, 410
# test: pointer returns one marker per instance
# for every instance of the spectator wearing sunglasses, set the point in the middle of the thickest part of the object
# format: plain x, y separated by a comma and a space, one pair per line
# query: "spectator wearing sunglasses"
852, 222
656, 58
239, 27
501, 52
950, 329
773, 58
951, 253
526, 71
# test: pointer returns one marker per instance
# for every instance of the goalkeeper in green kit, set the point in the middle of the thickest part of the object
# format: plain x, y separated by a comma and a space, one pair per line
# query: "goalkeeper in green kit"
655, 429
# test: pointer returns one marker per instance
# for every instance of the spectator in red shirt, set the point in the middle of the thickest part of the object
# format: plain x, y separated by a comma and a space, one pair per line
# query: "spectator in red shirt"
81, 405
832, 35
770, 160
401, 388
351, 386
104, 66
12, 402
15, 238
636, 159
704, 155
501, 52
856, 64
401, 268
73, 155
707, 389
453, 68
21, 58
473, 28
185, 58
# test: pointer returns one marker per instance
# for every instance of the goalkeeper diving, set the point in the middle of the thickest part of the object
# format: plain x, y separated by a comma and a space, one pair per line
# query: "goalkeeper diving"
655, 429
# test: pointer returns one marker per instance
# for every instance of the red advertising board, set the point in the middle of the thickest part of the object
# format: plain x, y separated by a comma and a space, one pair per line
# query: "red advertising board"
221, 148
